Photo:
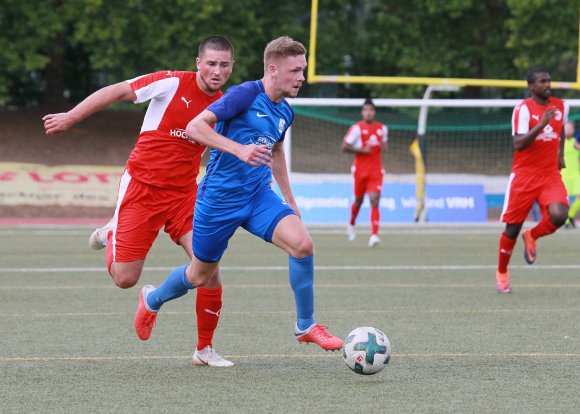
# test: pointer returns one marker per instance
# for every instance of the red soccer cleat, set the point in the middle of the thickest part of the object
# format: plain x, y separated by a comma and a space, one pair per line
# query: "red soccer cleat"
318, 334
529, 247
502, 282
144, 318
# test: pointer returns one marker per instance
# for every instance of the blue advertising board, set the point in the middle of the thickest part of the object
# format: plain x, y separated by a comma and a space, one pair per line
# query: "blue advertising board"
329, 203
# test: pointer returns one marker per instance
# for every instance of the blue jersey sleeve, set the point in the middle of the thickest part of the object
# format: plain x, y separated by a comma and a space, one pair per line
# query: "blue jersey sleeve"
236, 100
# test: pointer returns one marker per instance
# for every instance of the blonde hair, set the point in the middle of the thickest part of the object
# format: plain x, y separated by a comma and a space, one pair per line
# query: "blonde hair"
282, 47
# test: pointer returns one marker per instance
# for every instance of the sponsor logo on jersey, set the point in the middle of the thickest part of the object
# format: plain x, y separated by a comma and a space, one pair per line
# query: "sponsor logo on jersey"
536, 117
180, 133
263, 140
261, 115
548, 134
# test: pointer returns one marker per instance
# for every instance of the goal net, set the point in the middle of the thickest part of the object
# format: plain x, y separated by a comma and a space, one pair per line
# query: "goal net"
464, 140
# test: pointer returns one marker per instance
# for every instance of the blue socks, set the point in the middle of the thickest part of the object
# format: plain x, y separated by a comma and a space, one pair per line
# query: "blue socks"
301, 273
174, 286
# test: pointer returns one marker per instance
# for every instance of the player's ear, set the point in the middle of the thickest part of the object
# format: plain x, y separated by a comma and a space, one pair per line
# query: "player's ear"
197, 62
273, 69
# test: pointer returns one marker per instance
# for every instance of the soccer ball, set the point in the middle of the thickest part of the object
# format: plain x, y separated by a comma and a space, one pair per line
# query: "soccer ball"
366, 350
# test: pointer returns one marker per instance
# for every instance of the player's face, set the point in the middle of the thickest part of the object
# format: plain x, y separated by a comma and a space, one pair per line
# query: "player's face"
290, 75
368, 113
541, 86
214, 68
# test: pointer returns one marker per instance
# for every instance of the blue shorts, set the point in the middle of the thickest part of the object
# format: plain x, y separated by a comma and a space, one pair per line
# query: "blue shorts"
214, 224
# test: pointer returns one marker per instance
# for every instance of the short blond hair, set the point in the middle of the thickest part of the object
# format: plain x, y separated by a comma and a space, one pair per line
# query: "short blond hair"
282, 47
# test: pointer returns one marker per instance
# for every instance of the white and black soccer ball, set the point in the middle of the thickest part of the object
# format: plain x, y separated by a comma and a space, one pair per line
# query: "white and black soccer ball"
366, 350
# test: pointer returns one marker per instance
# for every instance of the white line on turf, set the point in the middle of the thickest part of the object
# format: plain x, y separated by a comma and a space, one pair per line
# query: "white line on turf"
333, 311
285, 268
298, 356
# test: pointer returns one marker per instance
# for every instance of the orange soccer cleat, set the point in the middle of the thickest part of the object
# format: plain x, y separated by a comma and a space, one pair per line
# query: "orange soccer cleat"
144, 318
502, 282
318, 334
529, 247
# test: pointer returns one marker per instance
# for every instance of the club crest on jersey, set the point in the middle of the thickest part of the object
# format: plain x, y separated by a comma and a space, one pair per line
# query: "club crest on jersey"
281, 125
263, 140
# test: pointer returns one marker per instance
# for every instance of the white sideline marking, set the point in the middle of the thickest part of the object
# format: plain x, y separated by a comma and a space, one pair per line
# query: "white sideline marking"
284, 268
325, 285
306, 356
291, 312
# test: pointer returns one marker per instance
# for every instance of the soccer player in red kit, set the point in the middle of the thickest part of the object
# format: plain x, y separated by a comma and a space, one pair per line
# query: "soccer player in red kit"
366, 139
158, 188
538, 136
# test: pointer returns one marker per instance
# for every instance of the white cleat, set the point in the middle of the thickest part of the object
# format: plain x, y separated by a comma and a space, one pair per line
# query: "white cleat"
350, 232
374, 240
100, 237
208, 356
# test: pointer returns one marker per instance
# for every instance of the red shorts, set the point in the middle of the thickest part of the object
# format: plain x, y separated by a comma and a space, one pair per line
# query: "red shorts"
142, 210
367, 182
523, 190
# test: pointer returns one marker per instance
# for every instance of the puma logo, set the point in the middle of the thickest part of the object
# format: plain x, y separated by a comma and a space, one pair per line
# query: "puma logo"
186, 101
212, 312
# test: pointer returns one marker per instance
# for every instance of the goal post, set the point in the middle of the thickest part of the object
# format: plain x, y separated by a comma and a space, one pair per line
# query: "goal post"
314, 77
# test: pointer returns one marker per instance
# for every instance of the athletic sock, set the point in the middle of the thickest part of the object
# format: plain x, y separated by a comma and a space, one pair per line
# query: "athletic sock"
174, 286
208, 306
574, 208
354, 209
110, 256
506, 247
375, 219
301, 274
543, 228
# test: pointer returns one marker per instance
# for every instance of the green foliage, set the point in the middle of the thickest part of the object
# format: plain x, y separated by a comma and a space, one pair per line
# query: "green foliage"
105, 41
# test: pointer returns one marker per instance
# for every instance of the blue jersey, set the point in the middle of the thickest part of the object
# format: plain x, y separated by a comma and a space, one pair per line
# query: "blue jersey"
246, 115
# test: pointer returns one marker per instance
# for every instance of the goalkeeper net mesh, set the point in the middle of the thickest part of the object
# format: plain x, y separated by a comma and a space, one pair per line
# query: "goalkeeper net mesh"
470, 137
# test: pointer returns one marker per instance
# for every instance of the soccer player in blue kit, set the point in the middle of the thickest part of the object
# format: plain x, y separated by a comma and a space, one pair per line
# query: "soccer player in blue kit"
247, 150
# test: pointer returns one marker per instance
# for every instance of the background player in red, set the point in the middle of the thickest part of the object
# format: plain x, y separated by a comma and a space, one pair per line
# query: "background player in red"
366, 139
158, 188
538, 137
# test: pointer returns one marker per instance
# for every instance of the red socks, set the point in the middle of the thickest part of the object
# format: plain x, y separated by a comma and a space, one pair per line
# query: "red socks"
543, 228
375, 220
353, 213
208, 306
506, 246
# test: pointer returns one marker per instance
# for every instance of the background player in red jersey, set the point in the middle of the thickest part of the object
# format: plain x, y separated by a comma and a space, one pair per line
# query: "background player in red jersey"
158, 188
538, 136
366, 139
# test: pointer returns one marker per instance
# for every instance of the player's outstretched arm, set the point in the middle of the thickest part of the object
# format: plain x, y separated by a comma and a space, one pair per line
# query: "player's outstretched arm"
201, 131
55, 123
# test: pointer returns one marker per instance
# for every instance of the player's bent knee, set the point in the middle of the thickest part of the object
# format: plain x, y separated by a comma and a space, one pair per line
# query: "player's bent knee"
125, 280
125, 283
558, 219
303, 248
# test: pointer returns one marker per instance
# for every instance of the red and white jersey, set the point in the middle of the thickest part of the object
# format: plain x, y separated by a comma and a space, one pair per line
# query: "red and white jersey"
542, 155
164, 156
363, 134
